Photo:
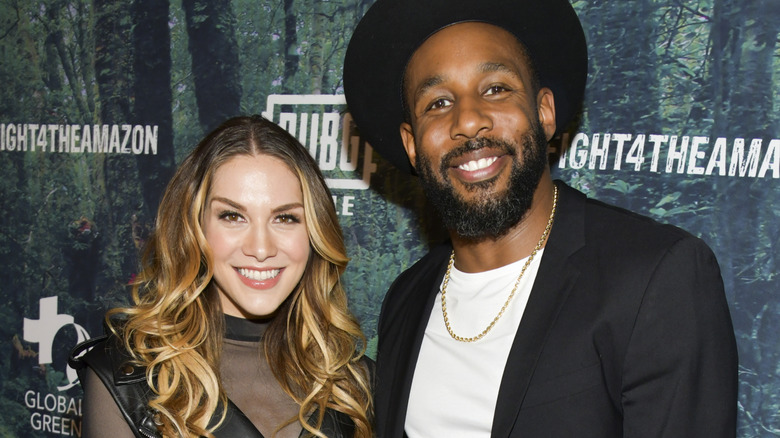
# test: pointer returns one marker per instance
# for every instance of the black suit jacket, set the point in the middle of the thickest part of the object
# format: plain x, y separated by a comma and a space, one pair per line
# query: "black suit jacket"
626, 333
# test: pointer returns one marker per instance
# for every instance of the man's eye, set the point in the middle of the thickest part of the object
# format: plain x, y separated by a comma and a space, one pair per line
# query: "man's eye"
496, 89
438, 104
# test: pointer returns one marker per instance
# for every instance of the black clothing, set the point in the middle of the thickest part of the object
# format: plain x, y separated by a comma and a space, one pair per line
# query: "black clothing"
127, 385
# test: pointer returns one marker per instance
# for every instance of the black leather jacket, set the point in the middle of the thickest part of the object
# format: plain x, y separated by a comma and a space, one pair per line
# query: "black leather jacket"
127, 385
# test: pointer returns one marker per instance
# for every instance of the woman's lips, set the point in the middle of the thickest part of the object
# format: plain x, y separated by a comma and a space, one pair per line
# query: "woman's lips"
259, 278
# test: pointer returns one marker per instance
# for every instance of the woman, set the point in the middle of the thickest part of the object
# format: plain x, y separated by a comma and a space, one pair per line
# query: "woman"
238, 311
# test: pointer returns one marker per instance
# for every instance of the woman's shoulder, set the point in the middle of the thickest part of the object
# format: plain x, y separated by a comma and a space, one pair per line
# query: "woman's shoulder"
125, 380
108, 357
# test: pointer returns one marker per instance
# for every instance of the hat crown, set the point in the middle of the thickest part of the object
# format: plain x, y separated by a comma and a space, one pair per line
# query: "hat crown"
390, 32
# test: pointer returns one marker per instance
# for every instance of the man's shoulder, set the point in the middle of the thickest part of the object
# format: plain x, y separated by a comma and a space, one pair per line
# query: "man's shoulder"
609, 232
608, 215
616, 235
410, 289
429, 265
608, 220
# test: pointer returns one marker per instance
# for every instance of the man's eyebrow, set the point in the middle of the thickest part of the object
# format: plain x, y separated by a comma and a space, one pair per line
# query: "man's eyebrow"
485, 67
491, 67
426, 85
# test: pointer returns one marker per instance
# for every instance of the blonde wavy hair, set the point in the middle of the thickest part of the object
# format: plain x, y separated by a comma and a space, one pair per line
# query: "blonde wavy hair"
175, 326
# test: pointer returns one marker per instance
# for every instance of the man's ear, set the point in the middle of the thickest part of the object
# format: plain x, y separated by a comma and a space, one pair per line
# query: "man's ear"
407, 137
545, 103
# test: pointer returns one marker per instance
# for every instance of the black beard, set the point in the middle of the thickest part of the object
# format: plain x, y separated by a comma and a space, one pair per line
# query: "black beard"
490, 215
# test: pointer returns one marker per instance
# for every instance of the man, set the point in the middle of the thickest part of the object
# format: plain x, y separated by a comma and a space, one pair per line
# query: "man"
548, 314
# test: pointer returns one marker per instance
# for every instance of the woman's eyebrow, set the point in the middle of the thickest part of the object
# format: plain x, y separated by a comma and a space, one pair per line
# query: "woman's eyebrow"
229, 202
286, 207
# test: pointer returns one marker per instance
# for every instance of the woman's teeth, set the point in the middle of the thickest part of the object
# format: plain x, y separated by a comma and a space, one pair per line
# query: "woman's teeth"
258, 275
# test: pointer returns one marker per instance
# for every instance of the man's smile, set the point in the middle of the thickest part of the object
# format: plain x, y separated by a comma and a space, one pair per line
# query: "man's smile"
477, 165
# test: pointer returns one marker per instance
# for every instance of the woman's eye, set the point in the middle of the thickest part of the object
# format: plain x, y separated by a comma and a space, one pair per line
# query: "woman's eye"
230, 216
288, 218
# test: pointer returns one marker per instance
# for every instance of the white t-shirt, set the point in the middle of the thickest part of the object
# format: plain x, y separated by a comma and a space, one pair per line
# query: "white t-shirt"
455, 384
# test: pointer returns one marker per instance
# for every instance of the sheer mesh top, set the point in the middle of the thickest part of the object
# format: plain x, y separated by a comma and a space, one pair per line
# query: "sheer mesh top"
246, 377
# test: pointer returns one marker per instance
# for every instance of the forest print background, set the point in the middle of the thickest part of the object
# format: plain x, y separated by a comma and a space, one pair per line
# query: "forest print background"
694, 83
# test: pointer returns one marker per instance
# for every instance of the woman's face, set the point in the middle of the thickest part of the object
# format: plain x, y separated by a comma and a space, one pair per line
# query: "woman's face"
254, 224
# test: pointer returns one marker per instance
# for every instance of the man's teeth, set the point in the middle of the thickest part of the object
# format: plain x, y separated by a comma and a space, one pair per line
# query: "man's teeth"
258, 275
477, 164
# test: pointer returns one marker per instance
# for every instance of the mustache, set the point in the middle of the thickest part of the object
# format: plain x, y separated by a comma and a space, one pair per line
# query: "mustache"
476, 144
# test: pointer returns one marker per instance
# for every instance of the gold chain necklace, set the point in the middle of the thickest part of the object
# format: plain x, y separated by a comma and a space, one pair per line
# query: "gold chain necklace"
514, 289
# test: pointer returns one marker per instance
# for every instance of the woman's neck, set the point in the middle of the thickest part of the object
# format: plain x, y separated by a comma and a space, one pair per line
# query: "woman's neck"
241, 329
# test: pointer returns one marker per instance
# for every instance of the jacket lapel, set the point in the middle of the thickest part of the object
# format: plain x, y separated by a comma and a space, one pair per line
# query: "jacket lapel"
553, 282
399, 359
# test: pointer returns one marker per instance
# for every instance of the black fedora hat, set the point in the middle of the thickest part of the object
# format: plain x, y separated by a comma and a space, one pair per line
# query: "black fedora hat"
392, 30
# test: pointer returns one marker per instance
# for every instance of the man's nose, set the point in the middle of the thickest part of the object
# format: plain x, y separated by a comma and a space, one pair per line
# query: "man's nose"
470, 119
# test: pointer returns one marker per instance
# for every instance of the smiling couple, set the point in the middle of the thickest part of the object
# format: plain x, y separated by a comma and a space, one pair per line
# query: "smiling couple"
545, 314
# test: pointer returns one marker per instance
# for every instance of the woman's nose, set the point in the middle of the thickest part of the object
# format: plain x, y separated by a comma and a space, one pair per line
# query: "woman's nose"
260, 244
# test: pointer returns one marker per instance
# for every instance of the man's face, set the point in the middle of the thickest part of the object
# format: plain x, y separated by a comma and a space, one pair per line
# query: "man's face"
479, 129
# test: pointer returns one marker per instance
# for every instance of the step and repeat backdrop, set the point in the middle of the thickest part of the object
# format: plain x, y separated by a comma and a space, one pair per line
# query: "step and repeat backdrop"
101, 99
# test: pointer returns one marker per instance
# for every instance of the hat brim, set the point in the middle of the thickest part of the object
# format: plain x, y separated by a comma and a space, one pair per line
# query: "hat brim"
390, 32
